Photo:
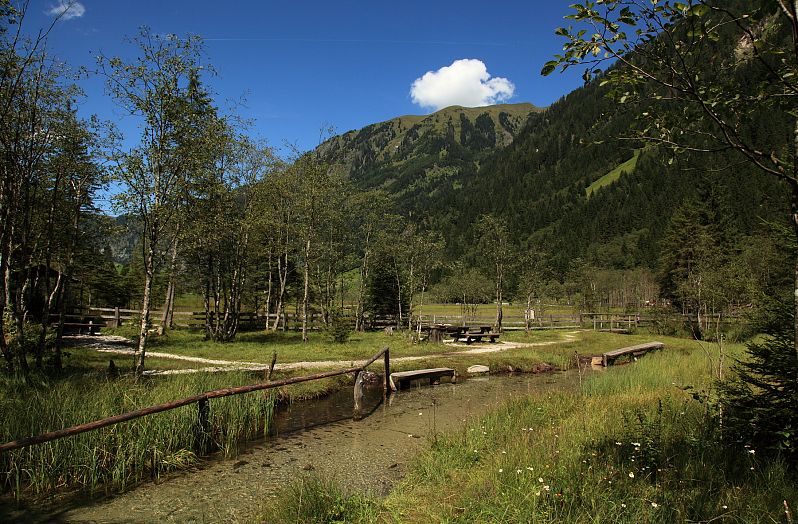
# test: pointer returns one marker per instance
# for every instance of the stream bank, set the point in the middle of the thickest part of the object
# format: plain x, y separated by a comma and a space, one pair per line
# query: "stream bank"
369, 455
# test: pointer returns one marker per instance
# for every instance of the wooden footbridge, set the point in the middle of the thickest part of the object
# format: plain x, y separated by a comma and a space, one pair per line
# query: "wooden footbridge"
434, 375
610, 357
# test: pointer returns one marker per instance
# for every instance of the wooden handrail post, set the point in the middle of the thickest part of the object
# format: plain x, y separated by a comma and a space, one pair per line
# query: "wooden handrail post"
358, 394
387, 378
204, 424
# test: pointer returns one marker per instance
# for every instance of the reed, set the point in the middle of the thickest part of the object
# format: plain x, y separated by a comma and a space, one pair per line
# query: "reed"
115, 457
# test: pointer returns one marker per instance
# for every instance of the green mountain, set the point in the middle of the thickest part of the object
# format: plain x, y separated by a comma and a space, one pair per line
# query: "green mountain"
560, 178
422, 159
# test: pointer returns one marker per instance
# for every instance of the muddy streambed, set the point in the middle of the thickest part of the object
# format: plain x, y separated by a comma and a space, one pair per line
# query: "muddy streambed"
314, 436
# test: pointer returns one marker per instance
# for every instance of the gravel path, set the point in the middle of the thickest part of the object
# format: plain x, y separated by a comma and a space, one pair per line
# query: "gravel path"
122, 346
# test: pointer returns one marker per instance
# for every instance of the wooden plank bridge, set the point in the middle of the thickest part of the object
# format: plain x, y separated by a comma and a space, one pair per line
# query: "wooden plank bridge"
609, 357
401, 378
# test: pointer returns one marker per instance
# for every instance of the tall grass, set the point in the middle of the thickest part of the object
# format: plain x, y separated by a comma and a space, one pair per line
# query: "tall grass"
633, 445
636, 443
114, 457
312, 499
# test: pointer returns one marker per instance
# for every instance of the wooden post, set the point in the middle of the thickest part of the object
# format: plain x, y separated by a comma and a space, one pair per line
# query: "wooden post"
358, 394
387, 379
271, 366
117, 319
204, 426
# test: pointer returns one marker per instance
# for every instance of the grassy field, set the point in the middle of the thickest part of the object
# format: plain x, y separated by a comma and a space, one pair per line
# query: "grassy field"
615, 174
633, 446
258, 346
114, 458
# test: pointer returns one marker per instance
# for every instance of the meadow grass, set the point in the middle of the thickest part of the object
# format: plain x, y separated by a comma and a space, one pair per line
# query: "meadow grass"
259, 346
635, 443
115, 457
607, 179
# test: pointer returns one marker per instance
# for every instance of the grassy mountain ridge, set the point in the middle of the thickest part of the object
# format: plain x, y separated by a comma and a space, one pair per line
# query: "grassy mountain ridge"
421, 158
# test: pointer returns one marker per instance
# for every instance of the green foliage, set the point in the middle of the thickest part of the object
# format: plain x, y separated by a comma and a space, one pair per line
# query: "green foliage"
340, 327
760, 400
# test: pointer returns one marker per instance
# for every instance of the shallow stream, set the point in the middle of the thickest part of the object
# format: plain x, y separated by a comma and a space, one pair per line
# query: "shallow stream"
320, 436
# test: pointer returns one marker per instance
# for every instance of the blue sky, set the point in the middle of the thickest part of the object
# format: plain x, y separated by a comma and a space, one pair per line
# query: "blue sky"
302, 65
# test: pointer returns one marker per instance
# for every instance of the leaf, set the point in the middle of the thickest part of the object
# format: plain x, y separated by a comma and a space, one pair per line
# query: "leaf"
548, 68
698, 10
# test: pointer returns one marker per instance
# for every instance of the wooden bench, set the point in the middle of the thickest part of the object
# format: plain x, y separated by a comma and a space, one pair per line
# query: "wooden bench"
402, 378
609, 357
476, 336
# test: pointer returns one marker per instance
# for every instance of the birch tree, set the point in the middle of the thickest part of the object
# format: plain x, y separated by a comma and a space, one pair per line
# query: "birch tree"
154, 89
497, 251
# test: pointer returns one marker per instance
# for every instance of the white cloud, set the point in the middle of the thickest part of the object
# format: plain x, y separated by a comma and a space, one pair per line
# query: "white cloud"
466, 83
67, 9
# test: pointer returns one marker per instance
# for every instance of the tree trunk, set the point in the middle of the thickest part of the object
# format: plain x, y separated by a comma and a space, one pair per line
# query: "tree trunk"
268, 292
306, 293
399, 297
410, 303
795, 254
528, 315
206, 301
364, 275
499, 289
167, 318
282, 274
5, 242
149, 273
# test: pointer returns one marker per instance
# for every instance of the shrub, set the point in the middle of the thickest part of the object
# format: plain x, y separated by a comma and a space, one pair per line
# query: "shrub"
340, 328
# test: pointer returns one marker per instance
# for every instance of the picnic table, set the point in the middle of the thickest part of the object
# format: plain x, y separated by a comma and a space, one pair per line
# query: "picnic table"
474, 334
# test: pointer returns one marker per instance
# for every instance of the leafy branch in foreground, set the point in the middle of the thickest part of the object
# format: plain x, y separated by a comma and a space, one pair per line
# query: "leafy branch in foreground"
702, 76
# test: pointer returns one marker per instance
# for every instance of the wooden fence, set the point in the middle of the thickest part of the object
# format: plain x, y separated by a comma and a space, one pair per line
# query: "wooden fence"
90, 319
594, 320
203, 405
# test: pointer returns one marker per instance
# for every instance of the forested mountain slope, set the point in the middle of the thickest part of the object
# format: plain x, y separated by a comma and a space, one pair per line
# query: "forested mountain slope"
533, 169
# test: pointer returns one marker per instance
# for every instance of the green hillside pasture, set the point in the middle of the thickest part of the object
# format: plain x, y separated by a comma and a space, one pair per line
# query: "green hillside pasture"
615, 174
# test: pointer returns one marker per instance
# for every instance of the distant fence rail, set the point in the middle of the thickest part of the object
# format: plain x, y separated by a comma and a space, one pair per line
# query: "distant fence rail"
594, 320
92, 318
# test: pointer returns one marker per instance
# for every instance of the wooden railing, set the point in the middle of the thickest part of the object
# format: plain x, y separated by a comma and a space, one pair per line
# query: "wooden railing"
115, 317
204, 407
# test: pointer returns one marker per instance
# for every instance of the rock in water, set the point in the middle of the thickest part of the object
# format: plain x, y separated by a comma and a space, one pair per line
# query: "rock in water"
475, 370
